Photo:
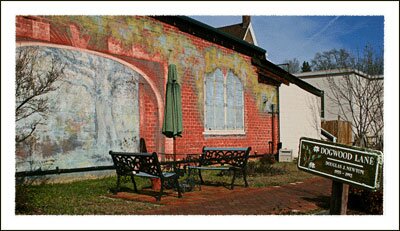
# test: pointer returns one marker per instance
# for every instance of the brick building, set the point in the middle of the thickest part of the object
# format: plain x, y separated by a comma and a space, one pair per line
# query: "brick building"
113, 92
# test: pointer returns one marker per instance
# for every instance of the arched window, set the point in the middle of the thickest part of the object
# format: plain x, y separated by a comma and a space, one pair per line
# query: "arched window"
224, 107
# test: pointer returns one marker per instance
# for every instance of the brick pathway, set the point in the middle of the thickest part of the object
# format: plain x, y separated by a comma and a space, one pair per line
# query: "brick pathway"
300, 197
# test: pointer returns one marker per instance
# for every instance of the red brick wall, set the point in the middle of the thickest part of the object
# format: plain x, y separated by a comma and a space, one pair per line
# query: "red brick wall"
258, 128
258, 125
33, 27
149, 127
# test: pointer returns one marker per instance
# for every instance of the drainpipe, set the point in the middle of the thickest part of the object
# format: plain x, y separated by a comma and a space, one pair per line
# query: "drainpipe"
279, 121
273, 133
323, 104
271, 144
279, 144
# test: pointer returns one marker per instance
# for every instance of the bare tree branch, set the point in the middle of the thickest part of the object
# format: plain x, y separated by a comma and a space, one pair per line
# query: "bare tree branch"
358, 98
32, 84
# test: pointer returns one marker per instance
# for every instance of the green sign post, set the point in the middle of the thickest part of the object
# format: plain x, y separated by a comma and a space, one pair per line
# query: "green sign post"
344, 165
350, 165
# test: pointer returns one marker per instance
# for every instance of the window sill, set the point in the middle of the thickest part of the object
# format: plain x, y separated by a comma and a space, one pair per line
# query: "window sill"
224, 133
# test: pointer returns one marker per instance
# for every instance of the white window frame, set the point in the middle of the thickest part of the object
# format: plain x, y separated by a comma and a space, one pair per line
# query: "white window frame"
224, 131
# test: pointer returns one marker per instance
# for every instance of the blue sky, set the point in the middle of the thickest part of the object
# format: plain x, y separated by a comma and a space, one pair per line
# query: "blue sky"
288, 37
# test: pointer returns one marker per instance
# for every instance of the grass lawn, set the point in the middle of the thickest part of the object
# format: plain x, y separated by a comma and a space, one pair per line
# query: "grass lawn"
91, 196
77, 198
270, 175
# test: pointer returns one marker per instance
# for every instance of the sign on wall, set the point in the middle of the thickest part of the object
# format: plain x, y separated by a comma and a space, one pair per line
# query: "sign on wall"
355, 166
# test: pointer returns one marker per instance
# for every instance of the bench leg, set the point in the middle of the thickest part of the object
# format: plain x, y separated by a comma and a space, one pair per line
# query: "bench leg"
245, 178
192, 179
233, 179
161, 190
134, 183
118, 182
178, 187
201, 178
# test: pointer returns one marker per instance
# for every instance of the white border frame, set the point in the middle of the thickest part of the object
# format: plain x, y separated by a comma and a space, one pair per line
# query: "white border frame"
390, 218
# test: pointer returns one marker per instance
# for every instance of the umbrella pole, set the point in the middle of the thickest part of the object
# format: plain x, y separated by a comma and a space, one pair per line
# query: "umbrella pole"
174, 165
174, 149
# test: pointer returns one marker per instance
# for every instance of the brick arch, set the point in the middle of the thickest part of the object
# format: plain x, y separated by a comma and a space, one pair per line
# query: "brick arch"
152, 85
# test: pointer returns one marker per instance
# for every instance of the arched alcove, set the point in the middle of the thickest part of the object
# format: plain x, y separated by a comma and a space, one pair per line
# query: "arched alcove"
94, 109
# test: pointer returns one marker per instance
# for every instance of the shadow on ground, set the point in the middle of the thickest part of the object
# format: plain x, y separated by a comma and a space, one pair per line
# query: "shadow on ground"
321, 201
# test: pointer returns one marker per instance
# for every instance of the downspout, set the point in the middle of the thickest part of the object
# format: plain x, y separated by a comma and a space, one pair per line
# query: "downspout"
279, 121
322, 104
272, 125
279, 144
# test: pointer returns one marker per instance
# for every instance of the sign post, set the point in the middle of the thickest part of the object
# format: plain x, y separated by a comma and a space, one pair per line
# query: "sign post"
339, 198
344, 165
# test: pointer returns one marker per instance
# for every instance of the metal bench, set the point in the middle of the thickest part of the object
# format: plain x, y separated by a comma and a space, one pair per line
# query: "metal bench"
142, 165
218, 158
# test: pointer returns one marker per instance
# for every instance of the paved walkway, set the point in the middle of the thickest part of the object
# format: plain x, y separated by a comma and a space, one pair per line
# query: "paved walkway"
295, 198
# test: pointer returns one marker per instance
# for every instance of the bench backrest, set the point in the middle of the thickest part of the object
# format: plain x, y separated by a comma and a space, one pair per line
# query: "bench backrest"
231, 156
127, 163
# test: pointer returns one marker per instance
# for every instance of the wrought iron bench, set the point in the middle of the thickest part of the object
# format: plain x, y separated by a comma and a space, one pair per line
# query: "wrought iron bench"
142, 165
216, 158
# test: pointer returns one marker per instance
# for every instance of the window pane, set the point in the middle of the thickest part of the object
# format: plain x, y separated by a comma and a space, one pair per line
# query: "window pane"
239, 105
214, 101
230, 101
234, 102
239, 118
219, 120
223, 103
209, 107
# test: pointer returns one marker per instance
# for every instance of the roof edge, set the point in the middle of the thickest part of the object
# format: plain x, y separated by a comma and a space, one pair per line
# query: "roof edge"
253, 33
194, 27
289, 77
222, 33
336, 72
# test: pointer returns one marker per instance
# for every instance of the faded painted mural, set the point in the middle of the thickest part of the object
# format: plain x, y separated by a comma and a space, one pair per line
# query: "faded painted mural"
94, 109
136, 35
266, 95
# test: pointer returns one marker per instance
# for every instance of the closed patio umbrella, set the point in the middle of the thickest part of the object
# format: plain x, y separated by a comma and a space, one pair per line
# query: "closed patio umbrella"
172, 126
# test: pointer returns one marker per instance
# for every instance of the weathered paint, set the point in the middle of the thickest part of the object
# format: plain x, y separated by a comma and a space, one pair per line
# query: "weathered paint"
147, 46
141, 34
93, 110
215, 58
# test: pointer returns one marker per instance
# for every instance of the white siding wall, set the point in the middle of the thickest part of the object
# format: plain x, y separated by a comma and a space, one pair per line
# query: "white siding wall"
331, 109
299, 116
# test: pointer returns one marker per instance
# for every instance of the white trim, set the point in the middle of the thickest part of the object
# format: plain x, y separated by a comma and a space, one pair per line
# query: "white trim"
339, 178
224, 132
336, 72
226, 98
348, 149
245, 34
345, 162
252, 33
328, 133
